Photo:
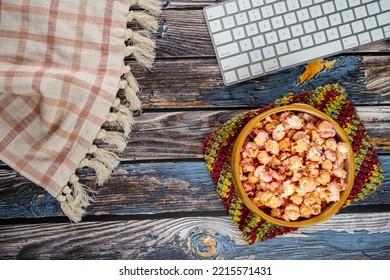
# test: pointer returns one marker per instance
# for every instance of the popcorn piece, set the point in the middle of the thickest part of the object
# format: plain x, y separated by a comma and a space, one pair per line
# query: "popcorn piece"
272, 146
291, 212
293, 122
279, 132
326, 129
261, 137
261, 173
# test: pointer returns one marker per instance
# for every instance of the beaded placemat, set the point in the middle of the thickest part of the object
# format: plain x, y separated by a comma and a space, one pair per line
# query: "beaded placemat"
330, 99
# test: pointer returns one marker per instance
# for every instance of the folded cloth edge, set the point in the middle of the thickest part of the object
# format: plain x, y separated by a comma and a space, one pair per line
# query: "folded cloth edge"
75, 197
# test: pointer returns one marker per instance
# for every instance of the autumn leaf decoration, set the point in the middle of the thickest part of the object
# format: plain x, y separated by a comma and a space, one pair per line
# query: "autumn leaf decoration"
314, 67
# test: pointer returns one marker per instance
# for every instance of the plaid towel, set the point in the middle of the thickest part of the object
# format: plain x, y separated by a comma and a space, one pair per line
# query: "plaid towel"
330, 99
62, 76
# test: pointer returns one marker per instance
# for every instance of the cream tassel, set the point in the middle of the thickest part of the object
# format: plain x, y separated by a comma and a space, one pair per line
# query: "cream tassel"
140, 39
116, 138
151, 6
74, 199
143, 56
131, 81
131, 96
148, 22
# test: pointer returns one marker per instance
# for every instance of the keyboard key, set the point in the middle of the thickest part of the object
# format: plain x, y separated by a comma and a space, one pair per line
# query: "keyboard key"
294, 45
228, 50
280, 8
303, 15
238, 33
228, 22
243, 73
364, 38
345, 30
297, 30
277, 22
281, 48
322, 23
269, 52
370, 22
319, 37
341, 5
265, 26
354, 3
377, 34
254, 15
244, 5
267, 11
257, 3
271, 37
385, 5
384, 19
241, 19
315, 11
360, 12
290, 18
284, 34
222, 38
307, 41
373, 8
230, 77
231, 8
215, 26
335, 19
310, 26
293, 5
328, 8
310, 54
234, 61
332, 34
258, 41
357, 26
305, 3
256, 69
255, 55
246, 45
350, 42
386, 30
215, 12
347, 16
251, 29
271, 65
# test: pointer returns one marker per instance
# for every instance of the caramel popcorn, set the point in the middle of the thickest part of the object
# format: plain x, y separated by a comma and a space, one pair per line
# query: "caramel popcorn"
292, 165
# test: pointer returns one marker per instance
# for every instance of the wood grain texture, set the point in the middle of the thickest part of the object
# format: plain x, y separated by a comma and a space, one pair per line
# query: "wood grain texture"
196, 238
134, 189
196, 83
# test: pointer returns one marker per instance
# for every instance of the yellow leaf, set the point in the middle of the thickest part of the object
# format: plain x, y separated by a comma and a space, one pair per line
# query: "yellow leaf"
312, 69
329, 64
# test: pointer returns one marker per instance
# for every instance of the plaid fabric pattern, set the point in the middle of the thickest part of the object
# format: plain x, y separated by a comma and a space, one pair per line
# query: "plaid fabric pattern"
60, 66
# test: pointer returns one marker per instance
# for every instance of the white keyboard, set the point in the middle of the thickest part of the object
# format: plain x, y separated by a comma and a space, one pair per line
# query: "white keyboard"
252, 38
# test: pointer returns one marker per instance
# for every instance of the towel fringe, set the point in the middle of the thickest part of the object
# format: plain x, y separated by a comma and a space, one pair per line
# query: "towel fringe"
75, 196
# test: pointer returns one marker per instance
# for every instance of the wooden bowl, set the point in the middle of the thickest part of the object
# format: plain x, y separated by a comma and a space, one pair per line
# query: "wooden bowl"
331, 208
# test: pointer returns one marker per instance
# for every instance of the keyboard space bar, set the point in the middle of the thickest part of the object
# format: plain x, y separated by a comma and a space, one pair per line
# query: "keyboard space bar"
310, 54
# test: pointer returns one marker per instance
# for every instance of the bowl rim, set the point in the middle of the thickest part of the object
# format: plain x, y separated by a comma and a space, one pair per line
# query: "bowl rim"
332, 208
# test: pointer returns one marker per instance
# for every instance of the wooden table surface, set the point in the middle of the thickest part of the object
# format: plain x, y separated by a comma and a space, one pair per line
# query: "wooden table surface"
161, 203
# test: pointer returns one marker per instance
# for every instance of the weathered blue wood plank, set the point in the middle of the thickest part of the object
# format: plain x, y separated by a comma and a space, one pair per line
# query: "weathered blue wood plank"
148, 188
358, 236
185, 84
